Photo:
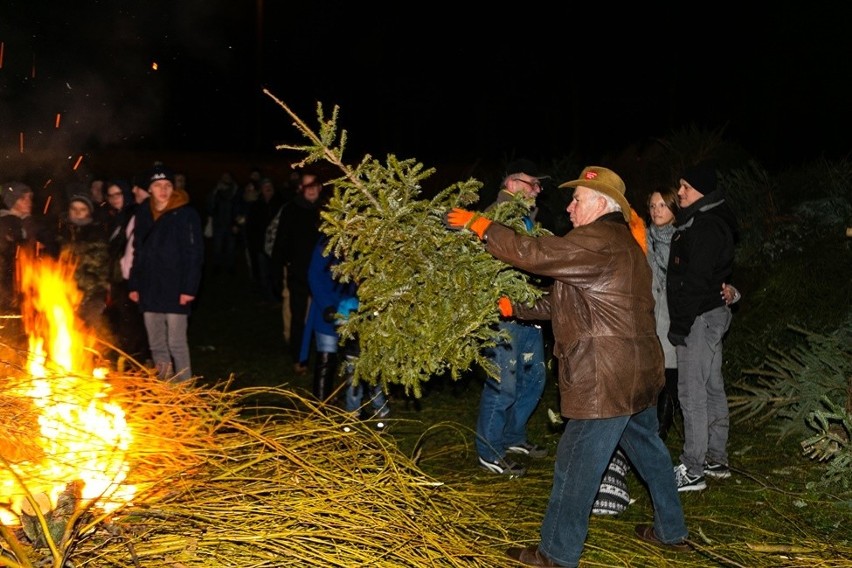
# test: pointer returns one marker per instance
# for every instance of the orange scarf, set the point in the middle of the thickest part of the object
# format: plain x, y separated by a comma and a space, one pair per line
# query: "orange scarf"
177, 199
638, 230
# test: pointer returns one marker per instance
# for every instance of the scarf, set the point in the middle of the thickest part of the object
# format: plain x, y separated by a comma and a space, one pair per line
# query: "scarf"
659, 244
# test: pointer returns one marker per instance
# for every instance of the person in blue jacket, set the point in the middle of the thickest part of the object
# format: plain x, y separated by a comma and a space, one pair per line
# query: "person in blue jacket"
326, 294
330, 298
354, 394
166, 272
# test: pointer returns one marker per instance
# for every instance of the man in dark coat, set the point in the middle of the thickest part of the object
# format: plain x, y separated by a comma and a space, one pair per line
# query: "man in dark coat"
298, 233
700, 262
166, 273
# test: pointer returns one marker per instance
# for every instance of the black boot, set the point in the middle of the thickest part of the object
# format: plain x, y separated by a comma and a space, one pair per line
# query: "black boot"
324, 373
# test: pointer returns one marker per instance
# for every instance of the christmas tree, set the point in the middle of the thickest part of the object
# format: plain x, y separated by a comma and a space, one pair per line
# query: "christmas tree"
428, 295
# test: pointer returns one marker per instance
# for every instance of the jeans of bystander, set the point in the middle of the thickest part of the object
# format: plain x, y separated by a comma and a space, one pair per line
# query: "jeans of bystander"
169, 344
701, 391
506, 405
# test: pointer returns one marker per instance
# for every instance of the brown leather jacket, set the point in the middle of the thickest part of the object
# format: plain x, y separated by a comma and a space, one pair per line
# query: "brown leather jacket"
602, 312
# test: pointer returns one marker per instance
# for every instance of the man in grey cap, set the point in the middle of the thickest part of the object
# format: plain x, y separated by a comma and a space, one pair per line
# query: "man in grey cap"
506, 405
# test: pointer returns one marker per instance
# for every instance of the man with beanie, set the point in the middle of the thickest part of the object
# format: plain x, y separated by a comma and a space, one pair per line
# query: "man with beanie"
166, 271
700, 262
610, 361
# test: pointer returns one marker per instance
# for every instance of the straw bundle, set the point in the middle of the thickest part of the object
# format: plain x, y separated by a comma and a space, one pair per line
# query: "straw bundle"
299, 486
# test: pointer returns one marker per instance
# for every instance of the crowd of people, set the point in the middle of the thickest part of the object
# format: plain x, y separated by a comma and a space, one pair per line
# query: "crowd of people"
139, 246
638, 307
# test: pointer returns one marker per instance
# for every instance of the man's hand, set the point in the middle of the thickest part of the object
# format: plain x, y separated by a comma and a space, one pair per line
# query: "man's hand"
463, 219
730, 294
676, 339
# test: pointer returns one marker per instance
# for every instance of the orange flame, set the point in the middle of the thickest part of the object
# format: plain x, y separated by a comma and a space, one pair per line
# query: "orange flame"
82, 436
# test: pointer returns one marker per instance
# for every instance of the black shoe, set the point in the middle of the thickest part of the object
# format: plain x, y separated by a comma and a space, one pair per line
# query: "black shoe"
717, 470
502, 467
686, 482
527, 449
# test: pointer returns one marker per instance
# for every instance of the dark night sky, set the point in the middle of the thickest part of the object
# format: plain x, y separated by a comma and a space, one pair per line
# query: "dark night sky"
433, 84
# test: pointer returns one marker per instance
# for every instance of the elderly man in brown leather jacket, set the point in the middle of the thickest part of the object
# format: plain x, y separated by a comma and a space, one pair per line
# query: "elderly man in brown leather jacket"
610, 361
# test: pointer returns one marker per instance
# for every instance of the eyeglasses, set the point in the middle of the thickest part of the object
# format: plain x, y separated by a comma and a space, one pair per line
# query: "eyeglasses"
533, 184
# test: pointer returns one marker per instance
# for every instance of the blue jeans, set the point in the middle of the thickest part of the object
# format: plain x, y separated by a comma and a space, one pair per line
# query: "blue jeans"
582, 457
326, 343
169, 344
354, 394
506, 405
701, 391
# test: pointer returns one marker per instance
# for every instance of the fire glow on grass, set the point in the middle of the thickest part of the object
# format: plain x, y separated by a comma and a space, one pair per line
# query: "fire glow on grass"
80, 434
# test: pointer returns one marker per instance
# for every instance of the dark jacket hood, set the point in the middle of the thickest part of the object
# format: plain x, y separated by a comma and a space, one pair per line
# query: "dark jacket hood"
713, 203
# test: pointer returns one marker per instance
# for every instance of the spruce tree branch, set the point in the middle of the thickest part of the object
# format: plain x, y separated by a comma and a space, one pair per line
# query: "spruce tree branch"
321, 149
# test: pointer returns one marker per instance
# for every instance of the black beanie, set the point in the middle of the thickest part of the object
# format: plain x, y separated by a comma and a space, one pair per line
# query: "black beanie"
701, 176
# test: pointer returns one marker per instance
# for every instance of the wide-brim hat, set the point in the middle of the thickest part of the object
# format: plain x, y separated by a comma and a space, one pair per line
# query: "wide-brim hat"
605, 181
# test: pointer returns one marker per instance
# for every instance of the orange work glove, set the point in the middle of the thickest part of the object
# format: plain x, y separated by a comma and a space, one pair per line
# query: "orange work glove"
504, 304
463, 219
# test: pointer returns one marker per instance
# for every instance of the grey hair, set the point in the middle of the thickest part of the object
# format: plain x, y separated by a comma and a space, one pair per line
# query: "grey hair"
611, 204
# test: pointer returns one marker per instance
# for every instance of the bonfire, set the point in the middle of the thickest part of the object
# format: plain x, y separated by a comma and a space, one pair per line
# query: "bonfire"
113, 467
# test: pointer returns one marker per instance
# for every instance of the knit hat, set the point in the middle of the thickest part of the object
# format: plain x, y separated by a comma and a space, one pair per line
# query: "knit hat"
13, 191
158, 172
701, 176
84, 199
604, 181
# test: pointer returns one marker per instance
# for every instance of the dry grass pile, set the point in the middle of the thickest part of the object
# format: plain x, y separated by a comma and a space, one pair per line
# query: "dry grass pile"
304, 486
